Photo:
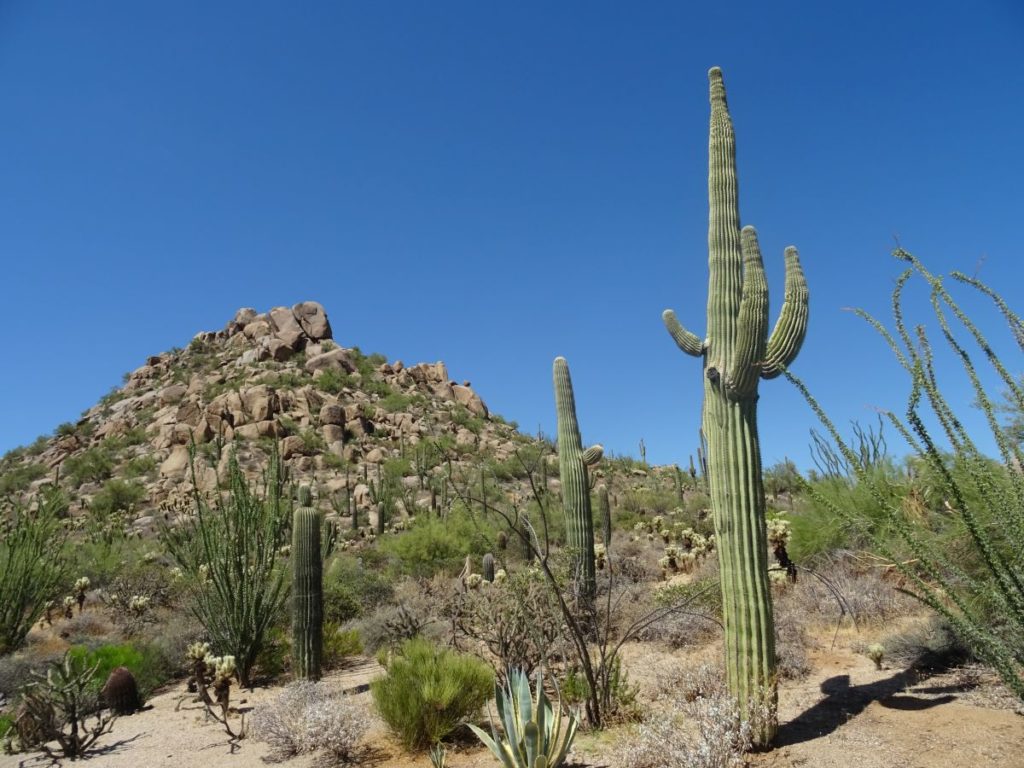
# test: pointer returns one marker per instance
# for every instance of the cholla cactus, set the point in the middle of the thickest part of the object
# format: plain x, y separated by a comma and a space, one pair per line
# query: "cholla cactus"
69, 606
500, 576
779, 532
876, 652
138, 604
197, 652
474, 580
600, 556
81, 587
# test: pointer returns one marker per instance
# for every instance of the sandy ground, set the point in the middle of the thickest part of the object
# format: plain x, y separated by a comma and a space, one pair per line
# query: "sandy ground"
846, 713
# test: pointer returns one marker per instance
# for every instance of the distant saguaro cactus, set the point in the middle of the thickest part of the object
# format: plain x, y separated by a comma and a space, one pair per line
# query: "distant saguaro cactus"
307, 590
573, 462
604, 508
737, 353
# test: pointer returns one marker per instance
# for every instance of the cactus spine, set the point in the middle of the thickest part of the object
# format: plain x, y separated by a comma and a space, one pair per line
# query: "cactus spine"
307, 589
572, 465
737, 353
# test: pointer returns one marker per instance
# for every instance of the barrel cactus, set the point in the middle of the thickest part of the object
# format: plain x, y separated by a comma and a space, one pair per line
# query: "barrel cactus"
573, 463
307, 589
488, 567
737, 353
121, 693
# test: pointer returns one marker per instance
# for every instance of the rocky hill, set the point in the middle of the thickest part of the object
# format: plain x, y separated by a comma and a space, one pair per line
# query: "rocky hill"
265, 379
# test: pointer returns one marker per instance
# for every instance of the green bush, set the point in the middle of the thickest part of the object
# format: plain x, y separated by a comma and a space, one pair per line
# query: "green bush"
429, 691
340, 644
351, 589
117, 496
431, 545
94, 465
148, 664
19, 478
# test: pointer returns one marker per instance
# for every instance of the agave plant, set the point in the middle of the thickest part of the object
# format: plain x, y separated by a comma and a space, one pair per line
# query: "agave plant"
534, 737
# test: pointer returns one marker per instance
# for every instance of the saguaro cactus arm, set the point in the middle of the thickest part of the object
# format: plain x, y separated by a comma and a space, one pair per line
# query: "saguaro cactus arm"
752, 322
791, 327
689, 342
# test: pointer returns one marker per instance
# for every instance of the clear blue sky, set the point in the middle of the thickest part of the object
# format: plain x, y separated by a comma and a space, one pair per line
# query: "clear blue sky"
492, 184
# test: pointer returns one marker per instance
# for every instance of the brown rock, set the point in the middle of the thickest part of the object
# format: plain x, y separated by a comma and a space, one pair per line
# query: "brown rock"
257, 329
292, 446
260, 403
332, 413
470, 399
312, 318
279, 350
176, 463
286, 327
336, 360
333, 433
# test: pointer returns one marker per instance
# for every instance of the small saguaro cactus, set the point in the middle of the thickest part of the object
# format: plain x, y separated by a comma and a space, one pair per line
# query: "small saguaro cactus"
737, 353
488, 567
573, 462
307, 589
604, 508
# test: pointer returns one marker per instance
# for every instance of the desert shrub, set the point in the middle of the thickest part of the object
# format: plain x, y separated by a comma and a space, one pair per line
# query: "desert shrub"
351, 589
228, 553
20, 477
518, 621
307, 717
94, 465
140, 466
791, 647
340, 645
840, 589
930, 644
431, 545
698, 725
32, 563
116, 496
389, 626
428, 691
16, 670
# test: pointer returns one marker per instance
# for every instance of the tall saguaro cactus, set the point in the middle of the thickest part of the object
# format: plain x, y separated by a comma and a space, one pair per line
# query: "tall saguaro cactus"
573, 462
737, 353
307, 591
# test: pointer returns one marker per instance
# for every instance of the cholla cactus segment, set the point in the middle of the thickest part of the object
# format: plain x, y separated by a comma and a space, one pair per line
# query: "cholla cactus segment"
197, 652
876, 652
223, 668
69, 601
474, 580
82, 584
138, 604
779, 532
500, 576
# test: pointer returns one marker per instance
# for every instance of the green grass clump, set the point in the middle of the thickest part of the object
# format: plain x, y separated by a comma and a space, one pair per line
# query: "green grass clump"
429, 691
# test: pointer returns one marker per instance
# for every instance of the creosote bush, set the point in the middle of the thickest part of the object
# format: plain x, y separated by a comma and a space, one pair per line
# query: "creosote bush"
428, 691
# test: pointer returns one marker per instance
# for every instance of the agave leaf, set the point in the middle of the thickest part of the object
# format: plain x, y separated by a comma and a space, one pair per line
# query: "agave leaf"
531, 734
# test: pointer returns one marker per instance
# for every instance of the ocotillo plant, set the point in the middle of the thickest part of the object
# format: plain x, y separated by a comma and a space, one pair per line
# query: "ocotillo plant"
572, 464
307, 589
737, 353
